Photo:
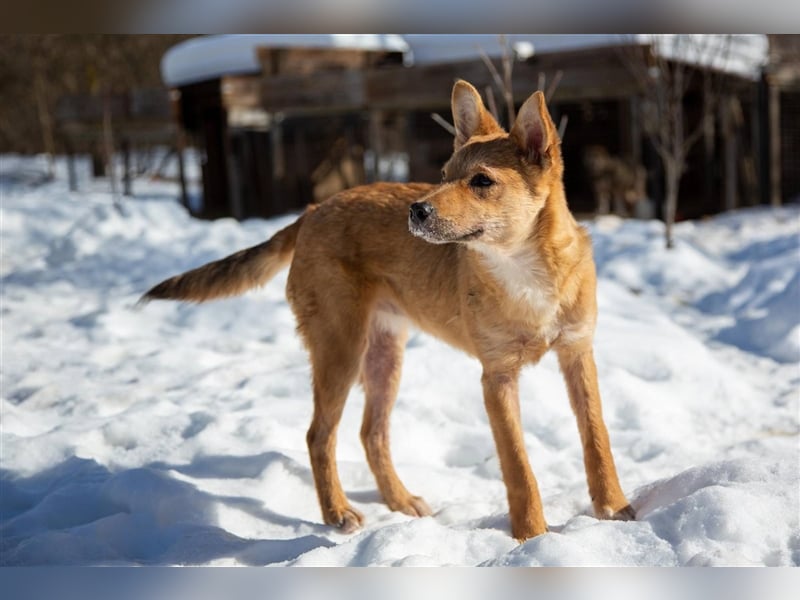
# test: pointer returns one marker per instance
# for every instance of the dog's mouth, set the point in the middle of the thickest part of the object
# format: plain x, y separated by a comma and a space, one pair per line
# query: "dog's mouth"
435, 236
472, 235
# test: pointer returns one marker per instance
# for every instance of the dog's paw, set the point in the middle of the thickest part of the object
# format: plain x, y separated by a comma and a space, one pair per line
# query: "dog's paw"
347, 520
414, 506
524, 532
626, 513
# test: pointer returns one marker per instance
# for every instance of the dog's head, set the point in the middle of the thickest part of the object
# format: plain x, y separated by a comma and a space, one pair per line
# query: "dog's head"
495, 183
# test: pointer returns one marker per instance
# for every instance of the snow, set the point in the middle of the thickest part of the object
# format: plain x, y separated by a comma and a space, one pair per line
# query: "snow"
175, 434
742, 54
432, 48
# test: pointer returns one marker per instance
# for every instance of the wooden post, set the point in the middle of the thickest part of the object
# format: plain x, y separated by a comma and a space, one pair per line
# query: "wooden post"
277, 154
403, 141
729, 151
180, 143
774, 110
300, 192
108, 148
176, 109
757, 142
71, 174
375, 145
45, 119
277, 148
126, 167
634, 126
233, 165
98, 161
746, 166
709, 139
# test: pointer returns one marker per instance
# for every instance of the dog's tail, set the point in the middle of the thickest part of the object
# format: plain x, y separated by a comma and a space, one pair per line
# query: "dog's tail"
233, 275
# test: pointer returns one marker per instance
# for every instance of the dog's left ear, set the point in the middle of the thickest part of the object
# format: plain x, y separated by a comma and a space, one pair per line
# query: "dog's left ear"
534, 131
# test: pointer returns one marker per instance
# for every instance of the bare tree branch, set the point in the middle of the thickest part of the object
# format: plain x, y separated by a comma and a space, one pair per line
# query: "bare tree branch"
498, 81
504, 81
562, 126
551, 89
508, 91
664, 71
542, 82
692, 138
491, 102
444, 123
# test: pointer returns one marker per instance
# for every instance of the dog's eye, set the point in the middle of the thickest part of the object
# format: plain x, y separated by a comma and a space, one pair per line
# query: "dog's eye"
480, 180
444, 175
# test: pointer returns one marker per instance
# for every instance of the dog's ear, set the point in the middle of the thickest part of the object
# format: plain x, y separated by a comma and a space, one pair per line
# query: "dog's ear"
469, 114
534, 131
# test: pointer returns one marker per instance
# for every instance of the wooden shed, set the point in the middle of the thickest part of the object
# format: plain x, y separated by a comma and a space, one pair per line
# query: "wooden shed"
100, 125
300, 117
781, 95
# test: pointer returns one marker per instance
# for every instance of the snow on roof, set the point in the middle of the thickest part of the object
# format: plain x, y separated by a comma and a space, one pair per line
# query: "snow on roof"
742, 55
437, 48
209, 57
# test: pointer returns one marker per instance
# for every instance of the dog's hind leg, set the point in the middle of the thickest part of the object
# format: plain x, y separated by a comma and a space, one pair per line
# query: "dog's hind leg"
580, 374
380, 376
336, 347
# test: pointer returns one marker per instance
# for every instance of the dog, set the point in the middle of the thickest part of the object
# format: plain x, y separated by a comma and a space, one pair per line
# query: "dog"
490, 260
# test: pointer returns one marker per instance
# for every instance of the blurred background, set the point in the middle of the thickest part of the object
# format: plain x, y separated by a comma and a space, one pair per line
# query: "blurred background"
666, 126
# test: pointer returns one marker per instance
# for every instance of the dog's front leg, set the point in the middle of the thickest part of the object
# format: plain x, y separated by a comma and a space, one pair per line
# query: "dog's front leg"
580, 374
500, 392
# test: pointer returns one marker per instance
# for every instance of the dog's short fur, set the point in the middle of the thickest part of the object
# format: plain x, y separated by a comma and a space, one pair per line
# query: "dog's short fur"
490, 261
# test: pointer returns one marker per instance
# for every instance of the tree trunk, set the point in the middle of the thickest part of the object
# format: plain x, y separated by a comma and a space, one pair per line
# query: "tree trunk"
71, 173
672, 179
45, 121
180, 145
127, 185
774, 109
729, 154
108, 149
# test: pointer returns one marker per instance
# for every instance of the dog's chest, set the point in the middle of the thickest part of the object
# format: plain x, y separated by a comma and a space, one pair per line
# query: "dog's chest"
523, 299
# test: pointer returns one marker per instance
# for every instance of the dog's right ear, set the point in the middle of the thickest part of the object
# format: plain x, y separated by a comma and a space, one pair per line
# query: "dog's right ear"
469, 114
534, 131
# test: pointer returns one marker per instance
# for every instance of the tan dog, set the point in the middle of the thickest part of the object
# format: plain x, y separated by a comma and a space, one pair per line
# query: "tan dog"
491, 261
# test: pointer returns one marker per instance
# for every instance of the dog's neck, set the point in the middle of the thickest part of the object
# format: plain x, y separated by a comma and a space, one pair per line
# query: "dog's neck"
527, 271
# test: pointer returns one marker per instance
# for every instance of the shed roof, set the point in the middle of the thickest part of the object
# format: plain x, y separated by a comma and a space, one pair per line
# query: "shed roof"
212, 56
209, 57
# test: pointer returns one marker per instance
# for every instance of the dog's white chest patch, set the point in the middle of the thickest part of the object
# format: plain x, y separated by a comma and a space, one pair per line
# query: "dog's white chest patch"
525, 280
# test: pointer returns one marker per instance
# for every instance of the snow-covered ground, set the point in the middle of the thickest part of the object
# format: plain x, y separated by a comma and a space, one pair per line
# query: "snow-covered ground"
175, 434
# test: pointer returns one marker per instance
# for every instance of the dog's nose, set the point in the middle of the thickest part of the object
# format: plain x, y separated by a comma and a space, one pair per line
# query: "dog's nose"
420, 211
